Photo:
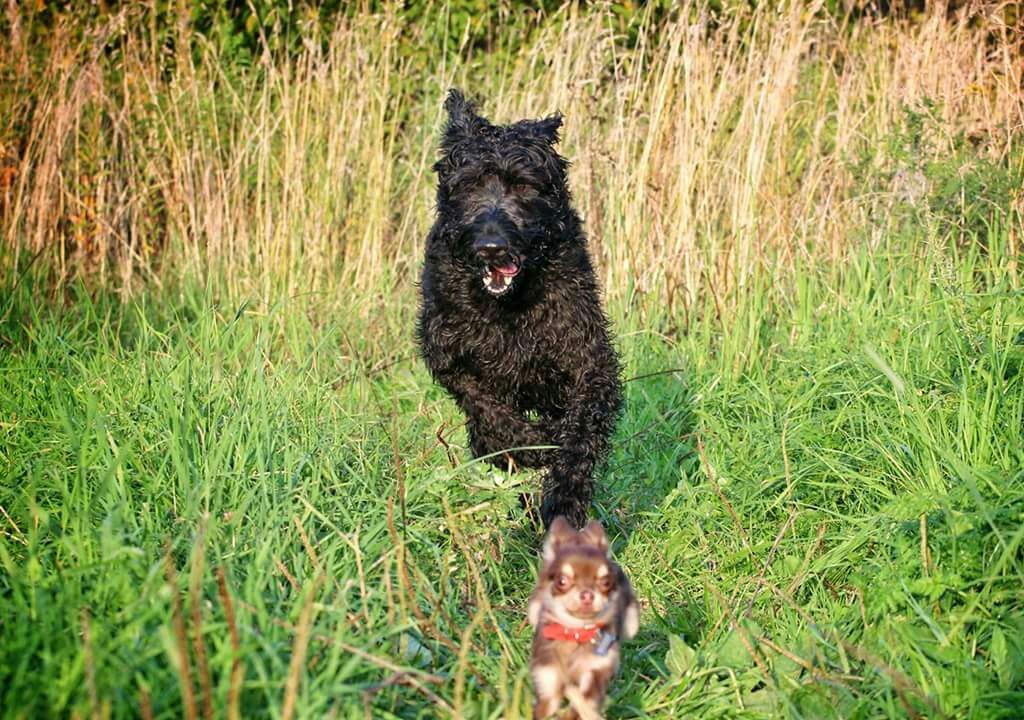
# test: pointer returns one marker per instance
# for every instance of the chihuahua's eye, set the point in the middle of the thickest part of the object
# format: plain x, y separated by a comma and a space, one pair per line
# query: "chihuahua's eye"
563, 582
605, 584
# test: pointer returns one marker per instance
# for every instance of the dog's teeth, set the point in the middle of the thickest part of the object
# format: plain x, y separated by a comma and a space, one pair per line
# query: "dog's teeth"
507, 280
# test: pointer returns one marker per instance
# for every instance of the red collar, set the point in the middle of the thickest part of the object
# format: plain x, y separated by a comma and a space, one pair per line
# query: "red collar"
582, 636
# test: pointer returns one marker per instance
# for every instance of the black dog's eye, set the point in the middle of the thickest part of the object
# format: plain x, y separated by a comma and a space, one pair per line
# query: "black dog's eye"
523, 189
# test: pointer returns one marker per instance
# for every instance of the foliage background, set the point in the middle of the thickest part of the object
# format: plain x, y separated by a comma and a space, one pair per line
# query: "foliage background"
229, 488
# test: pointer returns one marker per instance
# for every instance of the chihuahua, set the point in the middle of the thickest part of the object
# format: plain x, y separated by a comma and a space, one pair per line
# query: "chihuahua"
582, 608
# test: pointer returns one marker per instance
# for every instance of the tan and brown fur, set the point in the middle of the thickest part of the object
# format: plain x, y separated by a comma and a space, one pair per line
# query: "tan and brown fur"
579, 586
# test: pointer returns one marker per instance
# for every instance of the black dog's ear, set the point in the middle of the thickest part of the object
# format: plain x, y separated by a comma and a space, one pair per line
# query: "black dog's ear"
546, 129
462, 117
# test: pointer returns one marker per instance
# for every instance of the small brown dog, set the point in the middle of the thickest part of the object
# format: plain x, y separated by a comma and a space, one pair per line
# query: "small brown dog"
582, 608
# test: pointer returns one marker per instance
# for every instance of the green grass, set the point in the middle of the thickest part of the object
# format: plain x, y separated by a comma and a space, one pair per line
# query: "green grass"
225, 474
835, 481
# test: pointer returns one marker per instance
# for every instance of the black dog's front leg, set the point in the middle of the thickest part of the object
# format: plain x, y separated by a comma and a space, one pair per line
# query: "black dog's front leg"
583, 437
494, 427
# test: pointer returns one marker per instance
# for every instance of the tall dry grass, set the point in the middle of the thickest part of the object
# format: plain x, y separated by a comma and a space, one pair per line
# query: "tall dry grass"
713, 152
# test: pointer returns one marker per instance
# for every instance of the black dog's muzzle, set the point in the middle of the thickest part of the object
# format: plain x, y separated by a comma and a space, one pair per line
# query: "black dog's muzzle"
500, 263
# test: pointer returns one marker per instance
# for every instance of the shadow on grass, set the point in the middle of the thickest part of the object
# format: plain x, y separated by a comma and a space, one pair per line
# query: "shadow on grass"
653, 443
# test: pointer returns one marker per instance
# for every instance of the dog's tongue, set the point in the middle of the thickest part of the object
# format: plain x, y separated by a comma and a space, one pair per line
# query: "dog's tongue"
498, 278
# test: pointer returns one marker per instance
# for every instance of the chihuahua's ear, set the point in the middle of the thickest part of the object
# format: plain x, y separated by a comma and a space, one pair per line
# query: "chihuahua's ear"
559, 534
593, 534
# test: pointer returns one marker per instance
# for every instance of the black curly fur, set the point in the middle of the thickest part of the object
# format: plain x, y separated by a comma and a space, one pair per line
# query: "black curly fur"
543, 346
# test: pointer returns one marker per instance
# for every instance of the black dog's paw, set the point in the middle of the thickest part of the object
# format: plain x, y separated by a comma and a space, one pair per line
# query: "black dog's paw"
572, 508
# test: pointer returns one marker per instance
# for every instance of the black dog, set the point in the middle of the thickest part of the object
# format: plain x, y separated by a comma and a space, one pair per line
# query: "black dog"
511, 322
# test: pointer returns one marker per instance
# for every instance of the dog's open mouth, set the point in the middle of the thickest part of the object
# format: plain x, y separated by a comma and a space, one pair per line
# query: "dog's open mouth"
498, 278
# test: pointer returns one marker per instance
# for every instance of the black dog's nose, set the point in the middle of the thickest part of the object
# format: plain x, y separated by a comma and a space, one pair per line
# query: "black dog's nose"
492, 248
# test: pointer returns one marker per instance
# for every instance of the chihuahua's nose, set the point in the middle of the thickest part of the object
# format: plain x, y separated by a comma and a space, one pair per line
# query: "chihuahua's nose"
587, 597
